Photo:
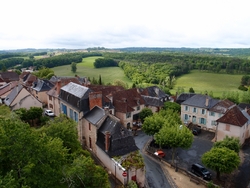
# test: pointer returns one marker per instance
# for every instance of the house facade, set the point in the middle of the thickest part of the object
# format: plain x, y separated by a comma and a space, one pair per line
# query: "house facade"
196, 110
74, 103
106, 138
235, 123
19, 97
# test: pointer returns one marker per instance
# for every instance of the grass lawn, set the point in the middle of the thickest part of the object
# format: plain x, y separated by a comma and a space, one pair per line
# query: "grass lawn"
86, 69
202, 82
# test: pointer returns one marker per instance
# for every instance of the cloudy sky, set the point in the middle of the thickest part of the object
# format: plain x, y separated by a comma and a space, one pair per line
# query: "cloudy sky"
124, 23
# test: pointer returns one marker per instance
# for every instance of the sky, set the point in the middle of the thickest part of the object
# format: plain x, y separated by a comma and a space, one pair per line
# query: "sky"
80, 24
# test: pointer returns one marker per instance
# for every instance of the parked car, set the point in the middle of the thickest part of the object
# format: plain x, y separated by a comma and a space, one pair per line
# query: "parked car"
49, 113
196, 131
160, 153
201, 171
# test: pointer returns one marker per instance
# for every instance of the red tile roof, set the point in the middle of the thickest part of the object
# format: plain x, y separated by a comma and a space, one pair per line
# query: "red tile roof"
234, 117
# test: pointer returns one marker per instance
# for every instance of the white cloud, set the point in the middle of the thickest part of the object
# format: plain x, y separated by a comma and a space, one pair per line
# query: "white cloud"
110, 23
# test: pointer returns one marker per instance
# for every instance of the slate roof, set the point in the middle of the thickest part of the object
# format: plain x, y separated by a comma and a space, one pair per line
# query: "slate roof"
244, 105
121, 140
154, 91
222, 106
199, 101
66, 79
184, 96
12, 95
76, 95
95, 115
42, 85
9, 76
153, 101
233, 116
125, 101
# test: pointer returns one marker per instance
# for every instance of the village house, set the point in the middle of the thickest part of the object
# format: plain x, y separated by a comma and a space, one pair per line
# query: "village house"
74, 103
235, 123
106, 137
40, 88
6, 89
19, 97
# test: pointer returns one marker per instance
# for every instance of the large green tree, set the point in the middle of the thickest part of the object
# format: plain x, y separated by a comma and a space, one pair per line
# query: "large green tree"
44, 73
230, 143
221, 159
145, 112
73, 67
172, 106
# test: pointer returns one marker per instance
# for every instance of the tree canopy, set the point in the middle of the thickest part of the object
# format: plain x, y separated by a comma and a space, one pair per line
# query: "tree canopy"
221, 159
230, 143
145, 112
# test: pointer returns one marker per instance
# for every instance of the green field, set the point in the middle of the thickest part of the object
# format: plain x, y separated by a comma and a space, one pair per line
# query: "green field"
86, 69
202, 82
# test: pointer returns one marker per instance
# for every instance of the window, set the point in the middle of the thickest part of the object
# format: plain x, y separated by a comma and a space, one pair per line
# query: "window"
90, 143
64, 109
71, 113
50, 98
186, 108
75, 116
90, 126
227, 127
211, 113
186, 117
128, 115
203, 121
194, 110
203, 111
194, 119
213, 122
138, 107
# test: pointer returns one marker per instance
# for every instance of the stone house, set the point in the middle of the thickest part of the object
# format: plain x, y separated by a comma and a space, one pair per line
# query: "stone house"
106, 137
235, 123
20, 97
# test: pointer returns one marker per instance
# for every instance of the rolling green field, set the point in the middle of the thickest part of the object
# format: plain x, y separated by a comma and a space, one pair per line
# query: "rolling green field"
86, 69
202, 82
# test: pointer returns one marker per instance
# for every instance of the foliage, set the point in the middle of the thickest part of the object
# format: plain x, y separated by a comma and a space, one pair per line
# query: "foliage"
120, 83
65, 129
221, 159
232, 96
133, 160
31, 116
246, 97
73, 67
245, 80
174, 135
172, 106
145, 112
4, 111
230, 143
105, 62
191, 90
153, 124
242, 88
84, 173
44, 73
100, 80
132, 184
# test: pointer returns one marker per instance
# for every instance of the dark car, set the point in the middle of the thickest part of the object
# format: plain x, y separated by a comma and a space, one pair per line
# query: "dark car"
196, 131
201, 171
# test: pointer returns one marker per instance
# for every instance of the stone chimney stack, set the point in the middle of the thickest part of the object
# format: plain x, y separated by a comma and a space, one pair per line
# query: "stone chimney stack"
95, 99
107, 140
207, 101
58, 86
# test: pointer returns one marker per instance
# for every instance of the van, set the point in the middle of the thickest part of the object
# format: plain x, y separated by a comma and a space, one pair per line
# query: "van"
201, 171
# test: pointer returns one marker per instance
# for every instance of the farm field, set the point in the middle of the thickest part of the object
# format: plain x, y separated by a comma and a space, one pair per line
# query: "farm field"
86, 68
202, 82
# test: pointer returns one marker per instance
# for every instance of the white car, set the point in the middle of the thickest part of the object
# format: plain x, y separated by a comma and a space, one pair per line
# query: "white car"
49, 113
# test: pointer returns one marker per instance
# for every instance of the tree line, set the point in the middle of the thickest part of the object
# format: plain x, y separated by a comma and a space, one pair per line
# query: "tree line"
105, 62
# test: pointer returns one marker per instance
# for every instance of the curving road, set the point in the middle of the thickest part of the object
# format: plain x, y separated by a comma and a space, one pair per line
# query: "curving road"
154, 173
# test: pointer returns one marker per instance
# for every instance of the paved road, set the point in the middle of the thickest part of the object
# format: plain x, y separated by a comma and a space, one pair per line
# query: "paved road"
154, 173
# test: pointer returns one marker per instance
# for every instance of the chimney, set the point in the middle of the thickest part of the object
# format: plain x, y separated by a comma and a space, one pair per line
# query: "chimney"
207, 100
95, 99
58, 86
107, 140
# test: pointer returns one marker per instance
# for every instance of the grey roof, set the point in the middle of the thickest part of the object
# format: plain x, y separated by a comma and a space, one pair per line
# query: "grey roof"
199, 100
244, 105
12, 95
153, 101
184, 96
42, 85
76, 90
121, 140
95, 115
